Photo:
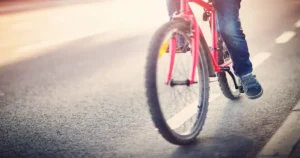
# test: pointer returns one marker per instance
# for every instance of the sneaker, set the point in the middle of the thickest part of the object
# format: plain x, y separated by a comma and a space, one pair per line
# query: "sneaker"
251, 86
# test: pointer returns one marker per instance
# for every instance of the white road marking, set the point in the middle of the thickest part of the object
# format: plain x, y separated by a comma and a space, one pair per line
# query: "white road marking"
297, 24
283, 141
45, 44
185, 114
285, 37
189, 111
89, 26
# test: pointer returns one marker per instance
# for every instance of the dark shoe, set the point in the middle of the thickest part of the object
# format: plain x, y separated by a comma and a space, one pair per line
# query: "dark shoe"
251, 86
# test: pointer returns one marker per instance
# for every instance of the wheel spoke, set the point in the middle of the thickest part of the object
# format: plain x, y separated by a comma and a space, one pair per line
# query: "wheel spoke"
178, 102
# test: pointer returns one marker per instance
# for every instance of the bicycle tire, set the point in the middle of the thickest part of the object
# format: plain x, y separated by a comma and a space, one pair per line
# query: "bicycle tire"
151, 87
222, 78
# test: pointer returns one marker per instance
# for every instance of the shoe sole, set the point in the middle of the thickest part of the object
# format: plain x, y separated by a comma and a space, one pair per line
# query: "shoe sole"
256, 96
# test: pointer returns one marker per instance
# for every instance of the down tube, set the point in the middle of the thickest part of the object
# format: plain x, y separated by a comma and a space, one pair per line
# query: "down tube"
195, 50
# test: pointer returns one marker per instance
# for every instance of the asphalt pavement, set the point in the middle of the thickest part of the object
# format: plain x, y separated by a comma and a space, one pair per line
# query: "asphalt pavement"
73, 85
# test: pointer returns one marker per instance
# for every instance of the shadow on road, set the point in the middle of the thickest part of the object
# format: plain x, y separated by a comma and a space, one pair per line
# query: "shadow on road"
236, 147
222, 145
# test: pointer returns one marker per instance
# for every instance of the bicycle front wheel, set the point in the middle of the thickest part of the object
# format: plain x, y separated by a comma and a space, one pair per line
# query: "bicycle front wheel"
178, 110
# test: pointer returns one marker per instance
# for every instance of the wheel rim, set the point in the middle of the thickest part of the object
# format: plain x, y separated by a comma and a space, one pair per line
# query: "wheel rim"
179, 105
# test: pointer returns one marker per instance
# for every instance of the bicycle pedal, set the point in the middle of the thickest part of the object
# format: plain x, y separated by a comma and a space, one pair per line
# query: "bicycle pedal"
225, 68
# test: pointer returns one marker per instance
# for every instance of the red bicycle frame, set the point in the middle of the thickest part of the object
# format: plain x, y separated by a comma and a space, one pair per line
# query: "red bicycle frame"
187, 14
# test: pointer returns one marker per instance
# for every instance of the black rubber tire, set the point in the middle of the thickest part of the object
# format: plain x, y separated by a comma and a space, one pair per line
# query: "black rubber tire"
222, 78
151, 87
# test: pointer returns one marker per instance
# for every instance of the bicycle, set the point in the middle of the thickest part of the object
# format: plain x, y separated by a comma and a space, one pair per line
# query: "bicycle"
207, 62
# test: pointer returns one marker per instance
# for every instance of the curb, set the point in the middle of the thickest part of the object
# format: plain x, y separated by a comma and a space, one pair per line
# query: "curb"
282, 142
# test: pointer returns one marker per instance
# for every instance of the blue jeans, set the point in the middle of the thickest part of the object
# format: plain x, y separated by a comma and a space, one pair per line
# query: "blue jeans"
230, 29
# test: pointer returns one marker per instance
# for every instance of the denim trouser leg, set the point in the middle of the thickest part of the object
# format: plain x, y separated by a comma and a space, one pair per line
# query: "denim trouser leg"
230, 29
172, 5
232, 34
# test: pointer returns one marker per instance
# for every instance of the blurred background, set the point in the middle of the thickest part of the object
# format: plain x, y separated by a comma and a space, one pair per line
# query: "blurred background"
72, 80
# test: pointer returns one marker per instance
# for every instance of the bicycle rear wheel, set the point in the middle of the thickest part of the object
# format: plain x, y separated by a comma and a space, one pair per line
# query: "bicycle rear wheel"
184, 125
226, 82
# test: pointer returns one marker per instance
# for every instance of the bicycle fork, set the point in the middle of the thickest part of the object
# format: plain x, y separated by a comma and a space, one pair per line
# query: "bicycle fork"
195, 55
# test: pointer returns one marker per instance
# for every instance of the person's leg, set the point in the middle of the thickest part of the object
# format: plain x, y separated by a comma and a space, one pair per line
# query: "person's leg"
234, 38
172, 6
232, 34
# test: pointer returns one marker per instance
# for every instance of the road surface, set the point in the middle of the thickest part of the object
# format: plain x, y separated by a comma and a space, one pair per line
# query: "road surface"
72, 82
